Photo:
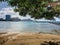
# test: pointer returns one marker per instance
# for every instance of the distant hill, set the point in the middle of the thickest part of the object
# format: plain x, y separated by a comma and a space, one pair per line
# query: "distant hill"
55, 22
26, 20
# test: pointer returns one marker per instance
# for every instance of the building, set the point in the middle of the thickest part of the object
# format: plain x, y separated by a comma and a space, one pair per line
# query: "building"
8, 18
26, 20
1, 19
15, 19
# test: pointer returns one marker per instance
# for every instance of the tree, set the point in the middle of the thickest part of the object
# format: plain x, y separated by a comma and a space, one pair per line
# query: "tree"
3, 0
34, 8
57, 9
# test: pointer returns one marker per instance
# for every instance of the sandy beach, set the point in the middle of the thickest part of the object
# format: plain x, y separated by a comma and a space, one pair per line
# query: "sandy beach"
28, 38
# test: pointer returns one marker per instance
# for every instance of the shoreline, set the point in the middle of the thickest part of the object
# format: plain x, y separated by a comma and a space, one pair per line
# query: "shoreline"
27, 38
22, 33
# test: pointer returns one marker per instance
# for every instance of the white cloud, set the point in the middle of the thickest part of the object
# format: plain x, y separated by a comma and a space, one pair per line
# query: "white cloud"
43, 19
5, 9
10, 11
57, 19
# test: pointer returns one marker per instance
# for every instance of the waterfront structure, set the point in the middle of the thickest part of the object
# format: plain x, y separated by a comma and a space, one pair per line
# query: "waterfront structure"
1, 19
8, 18
15, 19
26, 20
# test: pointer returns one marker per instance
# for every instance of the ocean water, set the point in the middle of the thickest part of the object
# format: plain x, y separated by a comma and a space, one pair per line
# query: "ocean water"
27, 26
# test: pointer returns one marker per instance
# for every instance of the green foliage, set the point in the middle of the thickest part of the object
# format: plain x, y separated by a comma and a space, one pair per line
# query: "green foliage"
35, 8
3, 0
57, 10
49, 15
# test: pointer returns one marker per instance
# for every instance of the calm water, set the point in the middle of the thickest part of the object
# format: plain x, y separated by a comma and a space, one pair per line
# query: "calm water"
27, 26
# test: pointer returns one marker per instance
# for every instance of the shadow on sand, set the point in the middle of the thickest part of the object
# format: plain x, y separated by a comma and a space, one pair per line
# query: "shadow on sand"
50, 43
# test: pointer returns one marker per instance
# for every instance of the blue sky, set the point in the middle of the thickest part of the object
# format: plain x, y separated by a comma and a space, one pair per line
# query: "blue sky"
3, 5
5, 9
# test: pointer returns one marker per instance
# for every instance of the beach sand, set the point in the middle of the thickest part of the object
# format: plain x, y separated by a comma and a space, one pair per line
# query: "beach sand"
28, 38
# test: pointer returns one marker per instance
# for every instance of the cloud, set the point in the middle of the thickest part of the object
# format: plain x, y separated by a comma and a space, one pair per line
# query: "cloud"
7, 10
57, 19
10, 11
3, 5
